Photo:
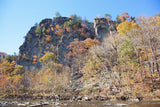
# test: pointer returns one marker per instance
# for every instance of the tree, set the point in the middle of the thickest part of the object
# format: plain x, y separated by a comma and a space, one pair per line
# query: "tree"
48, 57
70, 23
18, 69
14, 84
79, 47
150, 31
125, 16
108, 16
79, 21
101, 61
38, 31
143, 46
74, 17
44, 31
11, 58
36, 24
118, 19
126, 26
90, 42
86, 21
27, 80
58, 14
127, 53
4, 81
49, 38
76, 47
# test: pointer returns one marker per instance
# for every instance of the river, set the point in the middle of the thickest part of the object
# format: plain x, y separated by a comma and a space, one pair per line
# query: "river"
76, 104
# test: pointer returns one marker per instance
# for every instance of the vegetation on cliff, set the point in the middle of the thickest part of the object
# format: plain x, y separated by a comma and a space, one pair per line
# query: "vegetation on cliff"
70, 59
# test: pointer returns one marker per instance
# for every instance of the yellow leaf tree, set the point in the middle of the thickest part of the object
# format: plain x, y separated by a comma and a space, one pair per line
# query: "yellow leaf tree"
126, 26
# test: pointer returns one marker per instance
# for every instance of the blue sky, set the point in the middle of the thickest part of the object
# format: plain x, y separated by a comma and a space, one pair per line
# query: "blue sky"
18, 16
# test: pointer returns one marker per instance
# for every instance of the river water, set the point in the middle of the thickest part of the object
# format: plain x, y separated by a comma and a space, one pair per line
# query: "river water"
77, 104
118, 104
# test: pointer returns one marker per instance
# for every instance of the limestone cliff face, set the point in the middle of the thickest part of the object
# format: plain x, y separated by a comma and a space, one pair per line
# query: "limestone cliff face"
102, 27
54, 36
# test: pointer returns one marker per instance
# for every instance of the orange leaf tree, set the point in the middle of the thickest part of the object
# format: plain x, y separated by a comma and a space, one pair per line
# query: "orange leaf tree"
79, 47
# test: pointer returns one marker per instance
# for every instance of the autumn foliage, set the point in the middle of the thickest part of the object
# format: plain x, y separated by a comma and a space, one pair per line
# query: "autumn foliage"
10, 77
124, 16
48, 57
80, 47
127, 60
126, 26
49, 38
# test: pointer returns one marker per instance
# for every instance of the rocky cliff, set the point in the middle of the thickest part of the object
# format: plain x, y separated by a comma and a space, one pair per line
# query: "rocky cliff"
103, 26
54, 35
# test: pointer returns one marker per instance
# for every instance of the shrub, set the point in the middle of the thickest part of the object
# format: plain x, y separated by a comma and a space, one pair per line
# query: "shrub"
48, 57
68, 30
34, 63
74, 17
29, 38
57, 26
52, 28
90, 42
36, 44
49, 39
59, 32
70, 23
38, 31
41, 42
44, 31
34, 60
79, 21
58, 14
18, 69
80, 47
48, 30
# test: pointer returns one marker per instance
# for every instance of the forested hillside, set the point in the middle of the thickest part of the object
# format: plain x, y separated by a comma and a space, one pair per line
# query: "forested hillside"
69, 57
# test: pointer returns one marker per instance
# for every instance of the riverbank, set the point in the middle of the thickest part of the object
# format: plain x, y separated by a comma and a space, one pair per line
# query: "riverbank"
76, 97
69, 100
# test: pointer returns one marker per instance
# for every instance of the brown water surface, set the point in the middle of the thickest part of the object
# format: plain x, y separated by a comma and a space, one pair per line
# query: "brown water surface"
118, 104
81, 104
